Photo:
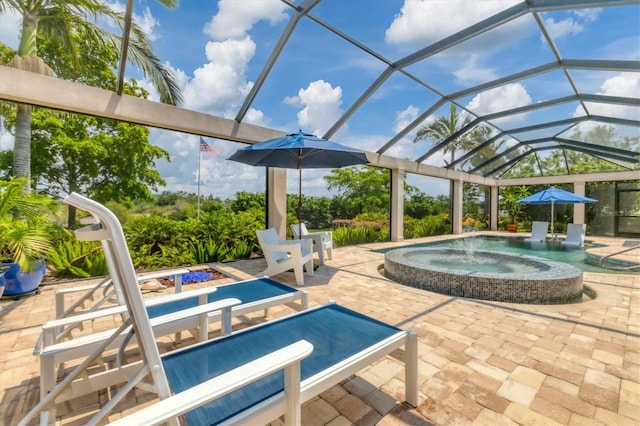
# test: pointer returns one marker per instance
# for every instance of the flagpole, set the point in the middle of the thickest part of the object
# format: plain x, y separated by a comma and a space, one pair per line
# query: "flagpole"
198, 208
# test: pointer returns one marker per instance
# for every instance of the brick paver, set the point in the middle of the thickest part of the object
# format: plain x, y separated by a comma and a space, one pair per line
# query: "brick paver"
480, 363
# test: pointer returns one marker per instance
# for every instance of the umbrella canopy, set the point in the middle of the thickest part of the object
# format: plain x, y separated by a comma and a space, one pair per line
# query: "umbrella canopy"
300, 151
554, 196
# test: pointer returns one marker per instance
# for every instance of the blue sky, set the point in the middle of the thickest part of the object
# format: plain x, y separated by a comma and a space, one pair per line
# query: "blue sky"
217, 49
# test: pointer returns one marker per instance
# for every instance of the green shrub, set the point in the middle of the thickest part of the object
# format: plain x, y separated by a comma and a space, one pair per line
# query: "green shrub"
78, 258
240, 250
207, 251
146, 234
162, 256
347, 235
426, 226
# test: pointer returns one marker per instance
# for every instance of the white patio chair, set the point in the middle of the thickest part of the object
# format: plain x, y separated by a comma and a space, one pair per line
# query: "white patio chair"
575, 234
322, 241
282, 255
538, 232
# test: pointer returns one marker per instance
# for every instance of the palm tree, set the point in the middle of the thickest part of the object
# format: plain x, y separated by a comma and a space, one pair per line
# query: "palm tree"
58, 19
443, 128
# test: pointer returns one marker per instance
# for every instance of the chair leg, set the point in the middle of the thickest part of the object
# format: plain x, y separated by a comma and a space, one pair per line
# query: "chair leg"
299, 275
330, 252
310, 267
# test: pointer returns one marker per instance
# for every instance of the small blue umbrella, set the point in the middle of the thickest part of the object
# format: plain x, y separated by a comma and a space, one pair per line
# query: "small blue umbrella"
554, 196
300, 151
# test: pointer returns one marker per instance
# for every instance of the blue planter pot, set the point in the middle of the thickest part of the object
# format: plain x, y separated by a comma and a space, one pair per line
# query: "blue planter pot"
18, 281
1, 283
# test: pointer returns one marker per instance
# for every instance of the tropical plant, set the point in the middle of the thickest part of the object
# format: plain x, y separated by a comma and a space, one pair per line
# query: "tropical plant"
60, 20
24, 229
207, 251
508, 199
78, 258
426, 226
444, 128
350, 235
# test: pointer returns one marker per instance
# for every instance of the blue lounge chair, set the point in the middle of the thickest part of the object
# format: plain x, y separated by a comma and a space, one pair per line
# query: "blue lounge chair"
165, 312
239, 378
170, 314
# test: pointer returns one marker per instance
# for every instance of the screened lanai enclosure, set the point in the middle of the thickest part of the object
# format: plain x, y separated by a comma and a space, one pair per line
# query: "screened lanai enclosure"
480, 96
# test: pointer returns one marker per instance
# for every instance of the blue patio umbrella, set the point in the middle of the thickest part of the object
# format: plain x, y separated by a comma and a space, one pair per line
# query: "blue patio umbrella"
300, 151
555, 196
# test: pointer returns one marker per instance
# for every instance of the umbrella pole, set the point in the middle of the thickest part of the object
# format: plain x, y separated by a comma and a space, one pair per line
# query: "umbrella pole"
300, 203
553, 234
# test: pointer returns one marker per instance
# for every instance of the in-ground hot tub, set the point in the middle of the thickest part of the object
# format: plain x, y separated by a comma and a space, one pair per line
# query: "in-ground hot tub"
485, 275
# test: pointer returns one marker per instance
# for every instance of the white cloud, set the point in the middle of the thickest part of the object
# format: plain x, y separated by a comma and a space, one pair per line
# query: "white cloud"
405, 117
472, 72
220, 85
218, 176
425, 22
256, 117
571, 25
501, 98
623, 84
321, 104
588, 15
236, 18
147, 22
559, 29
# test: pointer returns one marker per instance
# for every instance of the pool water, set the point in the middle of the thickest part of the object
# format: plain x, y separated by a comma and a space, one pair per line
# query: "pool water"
555, 251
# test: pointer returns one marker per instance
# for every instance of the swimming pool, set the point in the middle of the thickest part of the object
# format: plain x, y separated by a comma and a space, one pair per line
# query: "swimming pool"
555, 251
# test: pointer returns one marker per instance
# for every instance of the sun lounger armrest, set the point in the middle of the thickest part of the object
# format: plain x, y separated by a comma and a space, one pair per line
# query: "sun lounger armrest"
169, 298
320, 233
50, 328
224, 306
286, 358
289, 248
142, 277
305, 244
70, 290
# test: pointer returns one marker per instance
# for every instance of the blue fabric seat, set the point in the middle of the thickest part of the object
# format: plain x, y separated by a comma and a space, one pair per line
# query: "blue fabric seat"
335, 332
246, 291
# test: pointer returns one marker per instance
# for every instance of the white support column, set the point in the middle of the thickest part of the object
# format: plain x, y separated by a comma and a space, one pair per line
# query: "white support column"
276, 197
397, 205
494, 213
579, 208
456, 220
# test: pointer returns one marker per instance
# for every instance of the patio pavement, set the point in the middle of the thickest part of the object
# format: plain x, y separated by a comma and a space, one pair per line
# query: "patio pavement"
480, 362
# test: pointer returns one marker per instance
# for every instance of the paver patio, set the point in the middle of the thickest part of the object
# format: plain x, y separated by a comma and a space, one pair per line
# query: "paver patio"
480, 362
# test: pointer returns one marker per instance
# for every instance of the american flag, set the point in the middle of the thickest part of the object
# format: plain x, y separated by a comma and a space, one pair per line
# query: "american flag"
213, 150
